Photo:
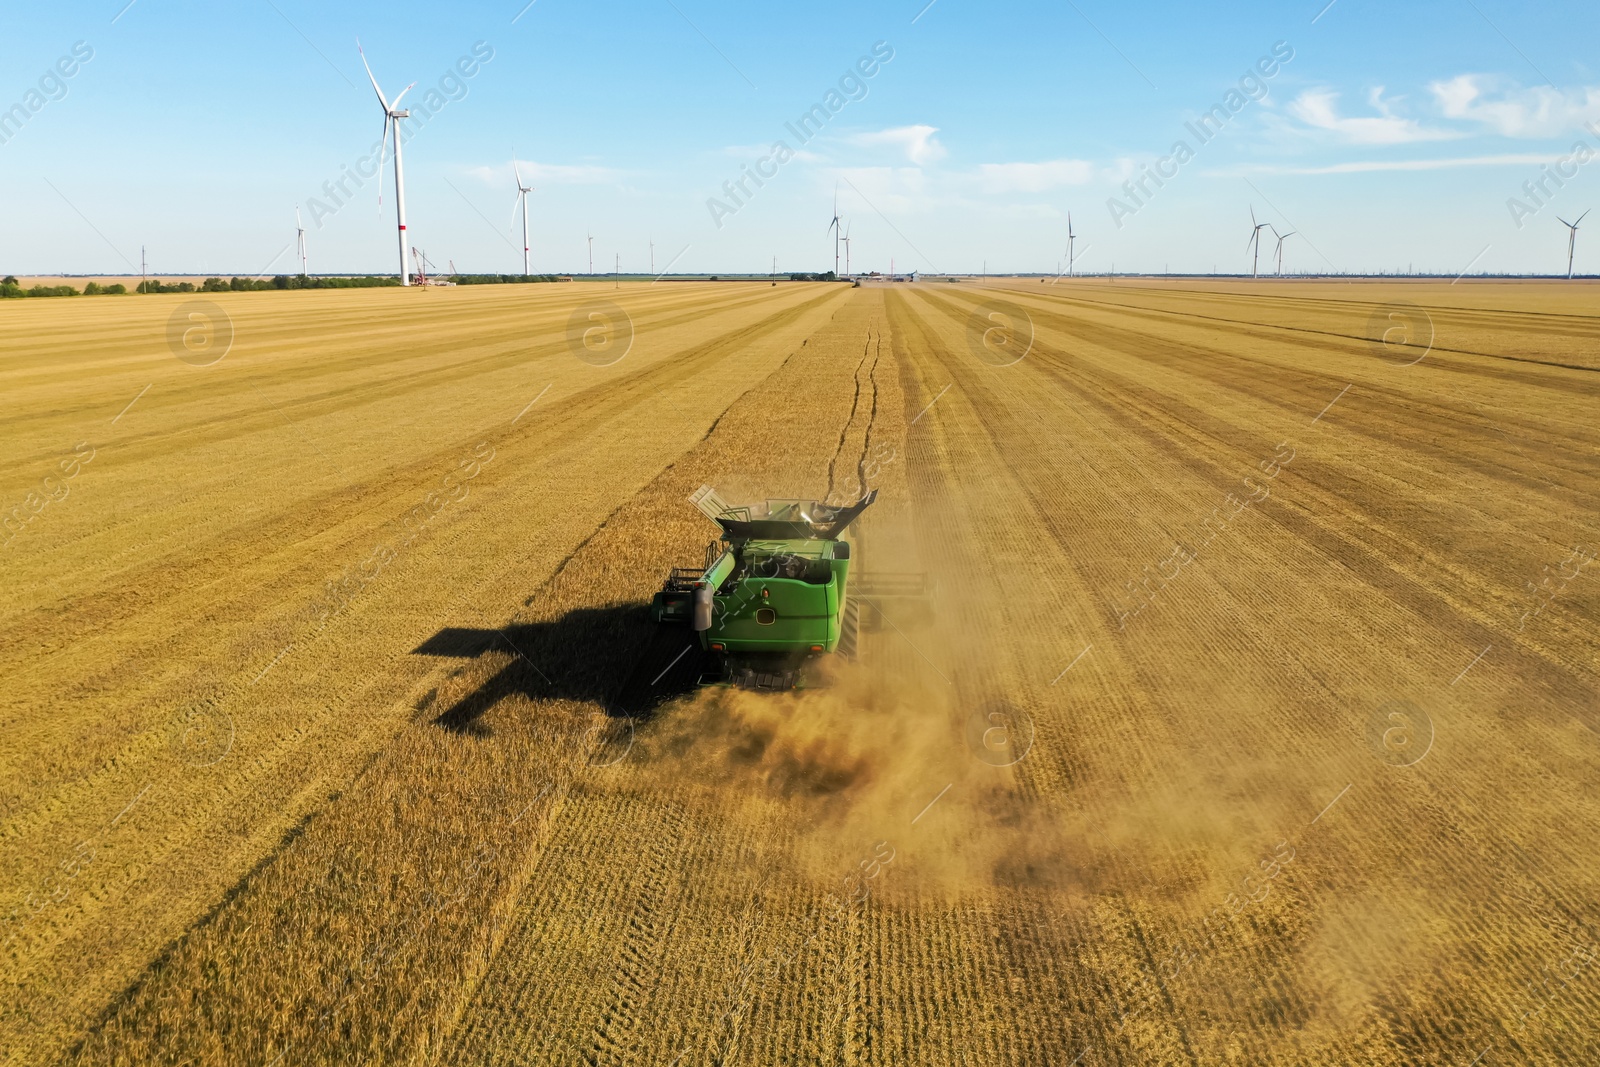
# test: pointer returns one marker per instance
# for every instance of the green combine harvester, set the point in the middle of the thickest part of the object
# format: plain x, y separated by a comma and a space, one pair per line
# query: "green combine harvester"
775, 593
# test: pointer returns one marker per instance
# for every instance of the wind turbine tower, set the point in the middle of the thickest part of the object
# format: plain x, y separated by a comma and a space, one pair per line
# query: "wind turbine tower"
1255, 240
300, 240
833, 227
1282, 237
1071, 238
1572, 239
392, 114
522, 201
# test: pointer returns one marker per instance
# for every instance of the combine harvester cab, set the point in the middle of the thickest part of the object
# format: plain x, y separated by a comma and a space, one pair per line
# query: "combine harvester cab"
774, 594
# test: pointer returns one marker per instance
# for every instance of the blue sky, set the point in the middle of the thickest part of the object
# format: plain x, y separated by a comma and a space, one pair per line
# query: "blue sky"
1391, 138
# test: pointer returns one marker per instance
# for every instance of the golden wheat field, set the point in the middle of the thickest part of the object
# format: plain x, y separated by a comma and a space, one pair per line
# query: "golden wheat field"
1253, 720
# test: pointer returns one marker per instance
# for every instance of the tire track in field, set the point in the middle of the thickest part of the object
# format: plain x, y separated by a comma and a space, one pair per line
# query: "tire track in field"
870, 349
616, 1034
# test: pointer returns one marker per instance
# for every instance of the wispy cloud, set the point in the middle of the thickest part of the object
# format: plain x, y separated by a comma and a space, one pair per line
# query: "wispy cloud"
547, 173
1365, 165
1035, 177
756, 151
1319, 109
917, 142
1515, 111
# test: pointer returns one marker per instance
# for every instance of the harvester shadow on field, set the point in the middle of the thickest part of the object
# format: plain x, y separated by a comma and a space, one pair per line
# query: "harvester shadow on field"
613, 656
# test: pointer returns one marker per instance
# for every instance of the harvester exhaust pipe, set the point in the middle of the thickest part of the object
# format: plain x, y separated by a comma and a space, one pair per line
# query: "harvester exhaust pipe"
702, 607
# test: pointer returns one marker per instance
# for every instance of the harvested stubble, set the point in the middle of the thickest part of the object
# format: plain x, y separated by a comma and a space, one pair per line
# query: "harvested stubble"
1206, 854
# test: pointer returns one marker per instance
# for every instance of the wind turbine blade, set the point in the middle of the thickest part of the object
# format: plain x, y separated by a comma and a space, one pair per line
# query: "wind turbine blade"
403, 92
1565, 223
1580, 217
517, 171
1253, 221
370, 78
383, 146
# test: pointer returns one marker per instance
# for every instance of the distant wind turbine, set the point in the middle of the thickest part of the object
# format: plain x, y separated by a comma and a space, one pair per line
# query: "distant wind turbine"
847, 251
522, 201
652, 255
833, 227
1071, 238
1282, 237
1572, 239
591, 252
392, 114
300, 240
1255, 239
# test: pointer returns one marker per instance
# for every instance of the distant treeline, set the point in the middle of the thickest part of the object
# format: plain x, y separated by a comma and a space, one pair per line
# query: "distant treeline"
10, 289
280, 281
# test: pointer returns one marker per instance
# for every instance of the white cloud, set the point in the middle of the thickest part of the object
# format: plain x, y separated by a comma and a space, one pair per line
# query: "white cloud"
1035, 177
750, 152
547, 173
917, 142
1362, 166
1516, 112
1319, 108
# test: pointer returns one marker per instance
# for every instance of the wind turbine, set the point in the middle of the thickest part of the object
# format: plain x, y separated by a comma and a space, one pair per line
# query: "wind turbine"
392, 114
1071, 237
1572, 239
300, 240
1255, 239
591, 252
833, 227
1282, 237
652, 255
522, 199
846, 251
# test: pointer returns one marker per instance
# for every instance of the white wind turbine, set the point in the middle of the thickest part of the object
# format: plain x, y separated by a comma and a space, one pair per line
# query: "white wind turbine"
1282, 237
1255, 239
300, 240
392, 114
833, 227
522, 201
1071, 238
590, 236
846, 240
1572, 239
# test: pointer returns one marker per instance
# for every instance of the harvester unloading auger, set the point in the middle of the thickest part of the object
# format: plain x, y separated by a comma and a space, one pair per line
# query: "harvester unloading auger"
776, 593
